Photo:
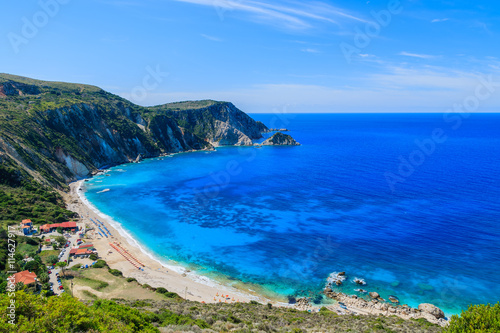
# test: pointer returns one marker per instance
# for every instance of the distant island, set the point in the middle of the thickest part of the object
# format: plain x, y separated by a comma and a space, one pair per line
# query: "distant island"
280, 139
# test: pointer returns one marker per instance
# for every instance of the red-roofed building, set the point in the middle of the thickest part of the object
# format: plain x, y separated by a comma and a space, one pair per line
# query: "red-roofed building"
25, 277
82, 253
26, 222
27, 227
65, 226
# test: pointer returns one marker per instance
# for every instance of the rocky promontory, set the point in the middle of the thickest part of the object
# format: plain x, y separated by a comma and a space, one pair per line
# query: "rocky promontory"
280, 139
57, 132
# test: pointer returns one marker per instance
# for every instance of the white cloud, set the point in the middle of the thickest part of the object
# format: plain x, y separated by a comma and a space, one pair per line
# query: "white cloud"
310, 50
416, 55
440, 20
292, 15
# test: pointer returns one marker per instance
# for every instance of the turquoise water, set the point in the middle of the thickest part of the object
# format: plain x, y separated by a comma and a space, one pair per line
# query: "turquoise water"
286, 217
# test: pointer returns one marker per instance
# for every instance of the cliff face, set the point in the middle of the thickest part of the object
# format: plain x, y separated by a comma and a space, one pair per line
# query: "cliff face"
57, 132
280, 139
221, 123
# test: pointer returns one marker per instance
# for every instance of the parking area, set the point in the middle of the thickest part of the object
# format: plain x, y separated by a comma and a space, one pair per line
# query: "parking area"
71, 241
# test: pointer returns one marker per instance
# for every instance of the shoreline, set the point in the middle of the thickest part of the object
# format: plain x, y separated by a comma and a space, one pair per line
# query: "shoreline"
156, 273
187, 284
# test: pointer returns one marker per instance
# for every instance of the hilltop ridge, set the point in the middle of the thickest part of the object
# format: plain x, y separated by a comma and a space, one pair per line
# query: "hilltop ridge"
57, 132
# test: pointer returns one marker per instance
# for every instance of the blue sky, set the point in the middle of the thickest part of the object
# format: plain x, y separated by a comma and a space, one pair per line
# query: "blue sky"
319, 56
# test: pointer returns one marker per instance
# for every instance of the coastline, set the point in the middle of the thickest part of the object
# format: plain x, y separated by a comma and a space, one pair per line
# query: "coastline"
156, 273
195, 287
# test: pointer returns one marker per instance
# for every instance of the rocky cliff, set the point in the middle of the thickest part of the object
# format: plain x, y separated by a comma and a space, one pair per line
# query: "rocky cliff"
280, 139
221, 123
57, 132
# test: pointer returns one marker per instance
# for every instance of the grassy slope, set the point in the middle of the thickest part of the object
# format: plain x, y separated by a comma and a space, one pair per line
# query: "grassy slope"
186, 105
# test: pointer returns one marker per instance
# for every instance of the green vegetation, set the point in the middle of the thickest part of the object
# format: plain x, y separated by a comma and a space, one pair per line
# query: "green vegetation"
182, 106
66, 314
100, 264
31, 200
92, 283
477, 318
115, 272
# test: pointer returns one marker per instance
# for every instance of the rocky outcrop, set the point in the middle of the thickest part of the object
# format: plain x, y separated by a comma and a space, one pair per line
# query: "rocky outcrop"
431, 309
280, 139
12, 88
221, 123
376, 306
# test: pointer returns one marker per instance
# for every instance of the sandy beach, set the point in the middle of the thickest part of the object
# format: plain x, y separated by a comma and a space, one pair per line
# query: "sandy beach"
187, 284
174, 278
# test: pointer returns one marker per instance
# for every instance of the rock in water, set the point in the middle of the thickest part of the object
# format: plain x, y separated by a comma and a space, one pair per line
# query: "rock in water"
432, 309
280, 139
138, 159
374, 295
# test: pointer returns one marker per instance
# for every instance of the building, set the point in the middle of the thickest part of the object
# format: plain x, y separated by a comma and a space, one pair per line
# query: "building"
27, 227
71, 226
82, 251
25, 277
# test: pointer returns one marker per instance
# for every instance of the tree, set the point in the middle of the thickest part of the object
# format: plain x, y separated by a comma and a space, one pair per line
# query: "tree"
93, 256
52, 259
60, 239
44, 278
62, 264
477, 318
31, 265
67, 314
59, 230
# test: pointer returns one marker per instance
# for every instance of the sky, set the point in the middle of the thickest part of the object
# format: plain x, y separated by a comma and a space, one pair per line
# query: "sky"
265, 56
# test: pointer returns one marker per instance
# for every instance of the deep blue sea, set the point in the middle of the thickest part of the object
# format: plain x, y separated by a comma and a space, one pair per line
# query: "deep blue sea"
360, 195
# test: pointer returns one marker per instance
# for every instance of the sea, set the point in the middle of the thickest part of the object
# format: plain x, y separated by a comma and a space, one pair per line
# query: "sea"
408, 202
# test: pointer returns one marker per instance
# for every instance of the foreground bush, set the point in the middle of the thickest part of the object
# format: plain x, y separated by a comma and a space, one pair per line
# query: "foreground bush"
66, 314
478, 318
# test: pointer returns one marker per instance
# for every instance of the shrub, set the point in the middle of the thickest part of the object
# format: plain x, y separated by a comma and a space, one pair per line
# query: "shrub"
171, 295
477, 318
100, 264
131, 279
93, 256
161, 290
52, 259
115, 272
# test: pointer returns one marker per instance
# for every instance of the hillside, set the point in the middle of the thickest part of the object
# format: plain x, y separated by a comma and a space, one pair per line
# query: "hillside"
221, 123
57, 132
